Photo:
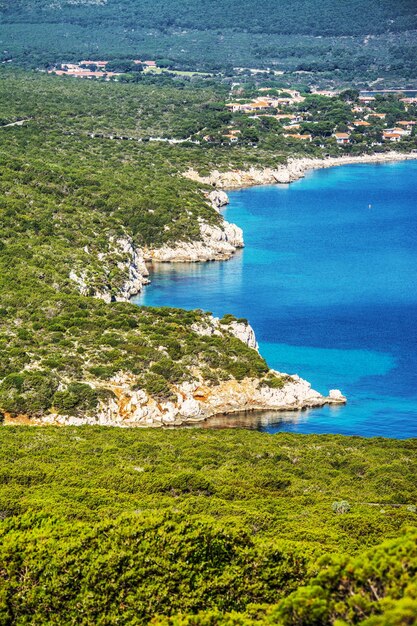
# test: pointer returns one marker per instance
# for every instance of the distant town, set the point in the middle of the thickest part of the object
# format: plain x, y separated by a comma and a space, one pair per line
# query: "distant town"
344, 117
95, 69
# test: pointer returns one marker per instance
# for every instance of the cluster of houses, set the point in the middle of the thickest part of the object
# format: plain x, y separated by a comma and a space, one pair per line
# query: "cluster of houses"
92, 69
403, 129
262, 105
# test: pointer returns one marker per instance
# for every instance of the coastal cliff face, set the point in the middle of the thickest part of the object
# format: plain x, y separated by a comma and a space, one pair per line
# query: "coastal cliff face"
216, 243
131, 268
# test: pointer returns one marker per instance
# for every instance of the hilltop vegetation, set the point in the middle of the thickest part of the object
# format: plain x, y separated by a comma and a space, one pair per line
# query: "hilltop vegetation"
112, 526
360, 39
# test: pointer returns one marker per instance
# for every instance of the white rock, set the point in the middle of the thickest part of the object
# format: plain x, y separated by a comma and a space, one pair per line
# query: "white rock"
218, 199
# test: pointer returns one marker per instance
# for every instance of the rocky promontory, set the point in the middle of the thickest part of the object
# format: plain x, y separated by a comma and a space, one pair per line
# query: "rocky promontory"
198, 399
217, 243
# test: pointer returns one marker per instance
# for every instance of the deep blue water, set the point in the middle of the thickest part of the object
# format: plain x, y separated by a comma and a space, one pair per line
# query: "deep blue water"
328, 280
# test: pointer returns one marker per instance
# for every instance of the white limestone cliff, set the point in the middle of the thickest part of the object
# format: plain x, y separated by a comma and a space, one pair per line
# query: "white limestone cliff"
241, 330
217, 243
218, 199
131, 263
199, 399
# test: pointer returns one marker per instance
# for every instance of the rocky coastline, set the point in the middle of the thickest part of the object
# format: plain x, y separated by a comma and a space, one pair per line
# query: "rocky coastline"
216, 243
198, 400
288, 172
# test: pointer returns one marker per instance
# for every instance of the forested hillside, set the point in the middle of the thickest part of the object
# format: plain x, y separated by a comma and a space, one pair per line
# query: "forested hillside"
298, 17
69, 197
363, 39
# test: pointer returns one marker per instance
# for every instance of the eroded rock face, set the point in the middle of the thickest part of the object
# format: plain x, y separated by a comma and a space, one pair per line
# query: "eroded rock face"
197, 401
217, 243
132, 266
218, 199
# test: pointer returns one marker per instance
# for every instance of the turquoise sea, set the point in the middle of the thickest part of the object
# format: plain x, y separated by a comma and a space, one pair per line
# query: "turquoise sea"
328, 280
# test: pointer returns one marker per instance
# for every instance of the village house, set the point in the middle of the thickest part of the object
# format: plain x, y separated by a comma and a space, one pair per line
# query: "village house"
361, 123
231, 138
389, 135
400, 130
236, 107
96, 63
70, 66
342, 138
259, 105
328, 94
146, 63
292, 118
366, 99
407, 125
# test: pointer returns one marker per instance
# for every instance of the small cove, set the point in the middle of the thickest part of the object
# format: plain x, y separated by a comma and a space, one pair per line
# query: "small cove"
328, 280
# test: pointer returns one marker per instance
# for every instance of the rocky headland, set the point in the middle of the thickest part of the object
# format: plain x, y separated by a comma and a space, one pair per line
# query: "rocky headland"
216, 243
199, 399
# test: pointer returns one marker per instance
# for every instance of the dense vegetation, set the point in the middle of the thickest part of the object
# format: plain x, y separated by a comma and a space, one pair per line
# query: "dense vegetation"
66, 199
111, 526
336, 41
308, 17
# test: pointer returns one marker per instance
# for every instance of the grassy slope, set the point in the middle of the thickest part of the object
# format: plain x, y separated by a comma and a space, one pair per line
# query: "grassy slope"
114, 526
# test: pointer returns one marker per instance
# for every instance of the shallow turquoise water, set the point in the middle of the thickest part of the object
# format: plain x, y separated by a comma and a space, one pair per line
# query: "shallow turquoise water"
328, 280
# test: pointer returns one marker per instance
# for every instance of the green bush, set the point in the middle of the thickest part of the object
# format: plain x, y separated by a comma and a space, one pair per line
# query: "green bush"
341, 507
75, 398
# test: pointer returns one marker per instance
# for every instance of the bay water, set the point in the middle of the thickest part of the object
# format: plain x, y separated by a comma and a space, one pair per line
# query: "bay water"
328, 280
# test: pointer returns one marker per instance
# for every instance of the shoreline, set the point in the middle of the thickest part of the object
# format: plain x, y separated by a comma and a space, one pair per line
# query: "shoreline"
294, 169
192, 405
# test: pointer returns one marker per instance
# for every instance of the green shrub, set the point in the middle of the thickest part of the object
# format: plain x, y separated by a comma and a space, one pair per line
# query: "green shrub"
341, 507
75, 398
